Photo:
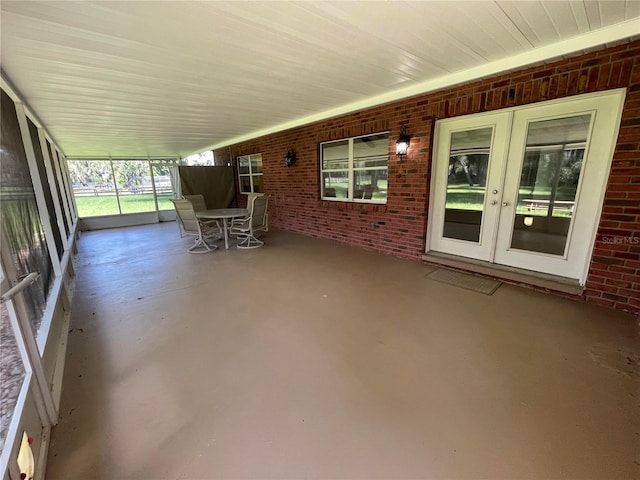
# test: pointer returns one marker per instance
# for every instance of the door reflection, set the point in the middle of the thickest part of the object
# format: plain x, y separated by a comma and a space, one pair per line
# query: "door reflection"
549, 183
467, 183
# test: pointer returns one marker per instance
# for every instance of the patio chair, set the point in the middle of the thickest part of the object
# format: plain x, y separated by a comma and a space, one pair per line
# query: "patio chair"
179, 223
199, 204
195, 228
368, 192
197, 201
242, 220
250, 228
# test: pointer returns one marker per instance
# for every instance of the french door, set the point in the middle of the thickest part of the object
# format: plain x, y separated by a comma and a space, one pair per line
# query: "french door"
524, 187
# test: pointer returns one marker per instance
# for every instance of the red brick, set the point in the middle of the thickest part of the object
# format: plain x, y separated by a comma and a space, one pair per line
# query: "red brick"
600, 301
402, 223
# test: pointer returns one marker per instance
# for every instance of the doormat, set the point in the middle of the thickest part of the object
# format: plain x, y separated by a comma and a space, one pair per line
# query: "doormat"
464, 280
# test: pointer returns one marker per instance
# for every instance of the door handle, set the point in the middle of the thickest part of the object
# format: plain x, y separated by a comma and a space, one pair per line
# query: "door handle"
505, 204
494, 202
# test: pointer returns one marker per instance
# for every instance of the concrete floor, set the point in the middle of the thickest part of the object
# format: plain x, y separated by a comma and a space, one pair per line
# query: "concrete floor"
310, 359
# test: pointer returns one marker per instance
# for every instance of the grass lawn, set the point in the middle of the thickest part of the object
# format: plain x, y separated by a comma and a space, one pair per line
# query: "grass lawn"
464, 197
94, 206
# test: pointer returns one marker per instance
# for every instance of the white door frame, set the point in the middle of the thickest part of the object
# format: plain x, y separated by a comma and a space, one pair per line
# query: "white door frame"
500, 124
608, 107
164, 215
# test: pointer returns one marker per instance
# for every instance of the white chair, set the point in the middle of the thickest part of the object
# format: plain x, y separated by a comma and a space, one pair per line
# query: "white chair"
199, 205
249, 228
242, 220
197, 201
193, 227
179, 223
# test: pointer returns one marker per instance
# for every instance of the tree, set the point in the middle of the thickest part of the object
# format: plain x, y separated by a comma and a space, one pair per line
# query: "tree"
88, 172
131, 172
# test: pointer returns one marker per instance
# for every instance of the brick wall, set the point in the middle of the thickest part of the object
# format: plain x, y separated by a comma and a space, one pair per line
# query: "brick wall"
399, 227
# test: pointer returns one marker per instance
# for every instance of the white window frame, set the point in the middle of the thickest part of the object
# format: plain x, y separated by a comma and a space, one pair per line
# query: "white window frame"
251, 174
351, 171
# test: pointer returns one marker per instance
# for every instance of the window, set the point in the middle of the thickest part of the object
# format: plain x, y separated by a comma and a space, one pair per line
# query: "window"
355, 169
113, 187
250, 173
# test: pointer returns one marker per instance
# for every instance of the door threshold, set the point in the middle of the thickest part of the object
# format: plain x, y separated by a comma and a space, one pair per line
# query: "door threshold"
543, 280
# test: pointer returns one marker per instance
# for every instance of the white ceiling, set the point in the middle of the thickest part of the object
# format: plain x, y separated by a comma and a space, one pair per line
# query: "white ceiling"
138, 78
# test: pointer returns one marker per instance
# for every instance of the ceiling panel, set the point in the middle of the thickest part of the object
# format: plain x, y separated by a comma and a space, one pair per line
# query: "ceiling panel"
171, 78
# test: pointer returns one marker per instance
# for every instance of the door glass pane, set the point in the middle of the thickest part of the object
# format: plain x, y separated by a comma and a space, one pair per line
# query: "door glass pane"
164, 188
133, 182
466, 183
549, 183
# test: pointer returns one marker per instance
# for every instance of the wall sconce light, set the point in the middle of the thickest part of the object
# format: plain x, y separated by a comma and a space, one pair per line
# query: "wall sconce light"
290, 158
402, 144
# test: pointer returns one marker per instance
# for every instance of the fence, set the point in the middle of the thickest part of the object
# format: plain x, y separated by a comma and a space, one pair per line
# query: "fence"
109, 190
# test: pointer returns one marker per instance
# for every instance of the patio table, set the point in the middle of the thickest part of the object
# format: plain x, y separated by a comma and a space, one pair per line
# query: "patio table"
224, 214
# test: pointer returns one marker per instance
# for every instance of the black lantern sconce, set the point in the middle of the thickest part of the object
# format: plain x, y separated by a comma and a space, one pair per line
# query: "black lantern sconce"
402, 144
290, 158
